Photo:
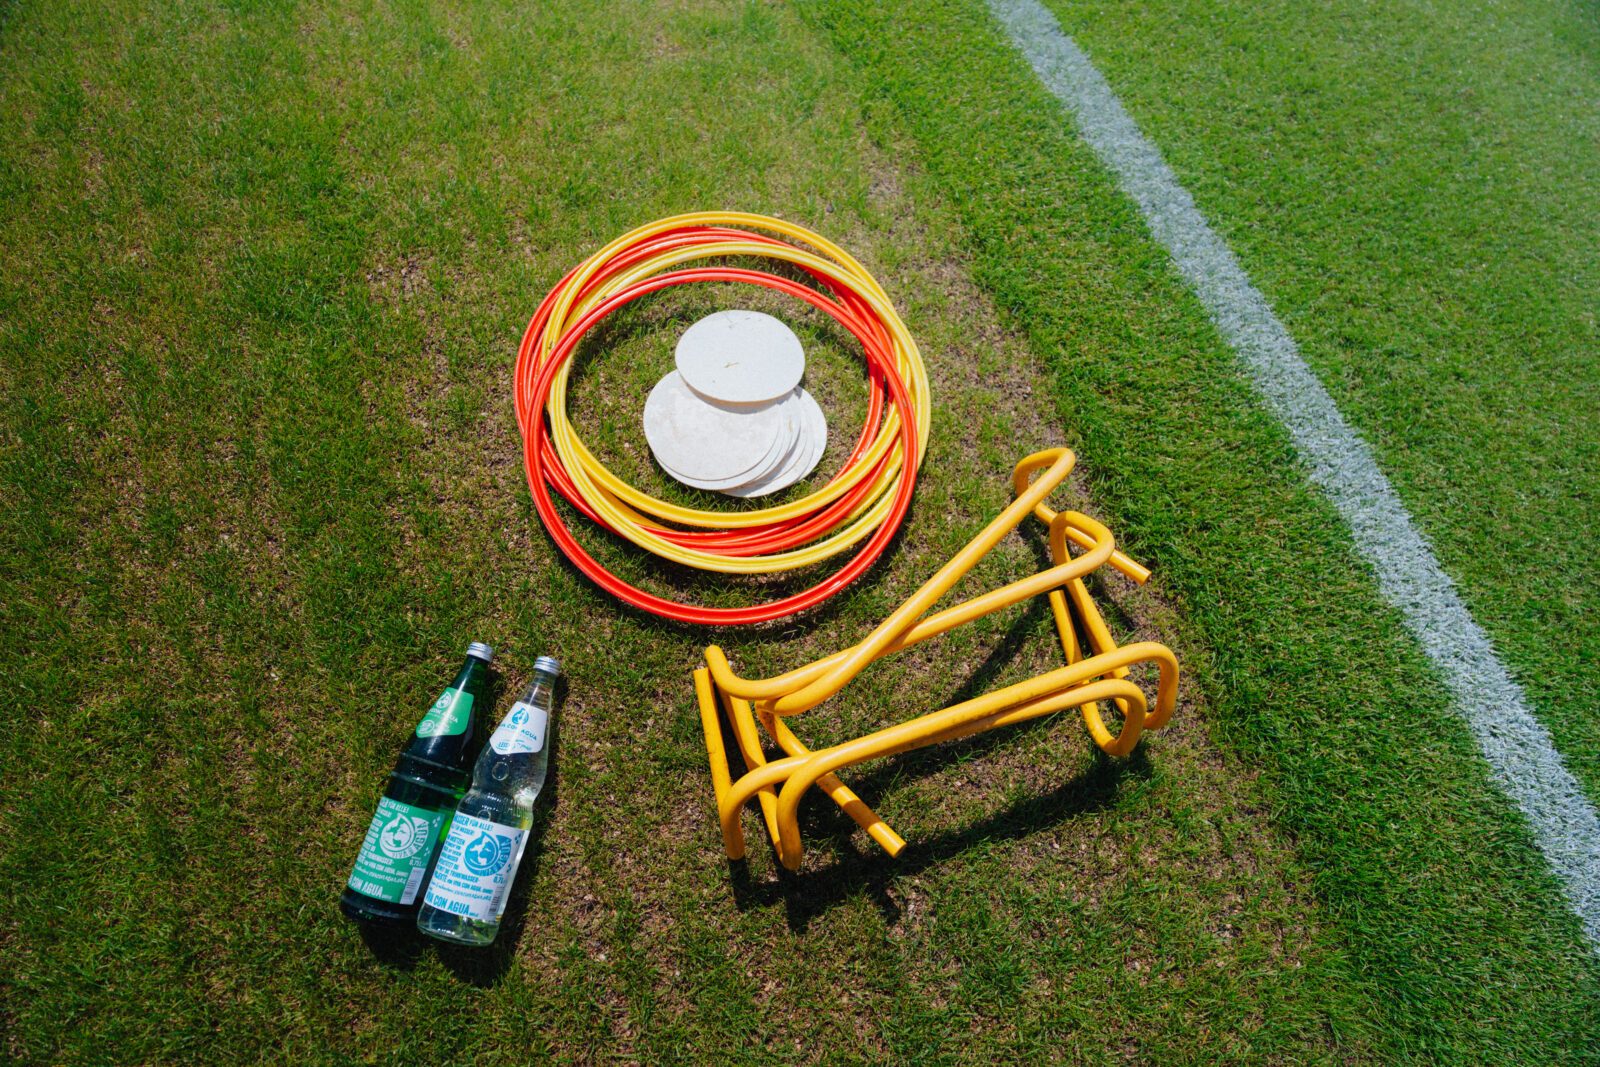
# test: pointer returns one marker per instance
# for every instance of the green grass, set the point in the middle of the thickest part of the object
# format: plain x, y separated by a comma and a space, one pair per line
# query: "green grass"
1413, 187
265, 271
1424, 874
262, 272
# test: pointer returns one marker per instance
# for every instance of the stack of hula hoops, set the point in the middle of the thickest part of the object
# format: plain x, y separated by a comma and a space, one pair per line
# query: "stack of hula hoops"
858, 510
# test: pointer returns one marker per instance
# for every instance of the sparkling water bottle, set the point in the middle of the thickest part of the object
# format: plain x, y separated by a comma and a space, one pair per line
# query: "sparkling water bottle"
414, 811
467, 892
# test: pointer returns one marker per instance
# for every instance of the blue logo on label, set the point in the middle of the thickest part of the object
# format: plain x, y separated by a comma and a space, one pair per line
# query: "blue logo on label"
518, 717
487, 854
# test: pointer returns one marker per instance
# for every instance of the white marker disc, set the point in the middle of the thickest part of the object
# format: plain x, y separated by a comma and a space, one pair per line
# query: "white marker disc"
808, 449
782, 444
697, 439
792, 437
740, 357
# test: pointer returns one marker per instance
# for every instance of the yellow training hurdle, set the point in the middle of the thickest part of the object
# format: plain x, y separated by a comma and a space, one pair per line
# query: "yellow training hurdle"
1083, 683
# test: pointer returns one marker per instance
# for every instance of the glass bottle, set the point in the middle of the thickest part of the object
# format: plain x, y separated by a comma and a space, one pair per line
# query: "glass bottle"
471, 881
422, 792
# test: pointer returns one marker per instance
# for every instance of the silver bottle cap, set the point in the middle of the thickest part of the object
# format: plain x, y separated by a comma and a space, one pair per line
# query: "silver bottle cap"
481, 650
547, 664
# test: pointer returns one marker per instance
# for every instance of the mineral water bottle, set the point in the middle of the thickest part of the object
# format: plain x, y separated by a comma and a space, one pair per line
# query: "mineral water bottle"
415, 808
477, 864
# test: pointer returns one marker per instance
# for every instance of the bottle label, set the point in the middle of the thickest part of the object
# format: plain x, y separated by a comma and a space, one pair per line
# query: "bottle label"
395, 854
475, 869
522, 730
448, 715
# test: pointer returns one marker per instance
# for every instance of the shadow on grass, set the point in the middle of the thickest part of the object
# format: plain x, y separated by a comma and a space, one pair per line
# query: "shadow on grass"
485, 967
703, 588
402, 946
811, 893
398, 946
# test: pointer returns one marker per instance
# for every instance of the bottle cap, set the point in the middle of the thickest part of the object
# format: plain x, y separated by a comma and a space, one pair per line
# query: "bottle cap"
481, 650
547, 664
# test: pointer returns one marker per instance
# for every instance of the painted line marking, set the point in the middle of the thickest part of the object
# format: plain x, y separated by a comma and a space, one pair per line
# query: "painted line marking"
1522, 760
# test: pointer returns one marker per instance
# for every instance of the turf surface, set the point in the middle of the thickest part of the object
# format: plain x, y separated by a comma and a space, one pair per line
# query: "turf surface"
1444, 905
1413, 186
262, 269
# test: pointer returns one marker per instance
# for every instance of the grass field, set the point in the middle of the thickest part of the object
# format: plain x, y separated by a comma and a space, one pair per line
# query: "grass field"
262, 272
1426, 227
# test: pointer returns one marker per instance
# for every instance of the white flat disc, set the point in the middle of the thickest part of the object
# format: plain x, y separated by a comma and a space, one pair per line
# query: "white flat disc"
807, 453
782, 445
792, 440
740, 357
704, 441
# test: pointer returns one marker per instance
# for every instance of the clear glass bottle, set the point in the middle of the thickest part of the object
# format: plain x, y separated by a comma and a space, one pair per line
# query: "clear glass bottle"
415, 808
471, 881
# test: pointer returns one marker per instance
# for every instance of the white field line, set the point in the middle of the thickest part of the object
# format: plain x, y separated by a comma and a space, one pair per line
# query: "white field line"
1521, 758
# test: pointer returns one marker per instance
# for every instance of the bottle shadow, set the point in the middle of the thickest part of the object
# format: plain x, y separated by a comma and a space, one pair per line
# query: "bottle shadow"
403, 946
485, 966
396, 945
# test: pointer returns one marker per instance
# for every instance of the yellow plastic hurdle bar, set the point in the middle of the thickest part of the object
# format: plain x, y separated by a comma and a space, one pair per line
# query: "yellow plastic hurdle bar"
1083, 683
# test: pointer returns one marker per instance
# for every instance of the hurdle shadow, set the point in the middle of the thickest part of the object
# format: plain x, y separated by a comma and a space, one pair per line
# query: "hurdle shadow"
811, 893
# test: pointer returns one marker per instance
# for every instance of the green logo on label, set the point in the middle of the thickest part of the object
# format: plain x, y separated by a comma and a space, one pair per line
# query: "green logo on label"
403, 836
448, 715
396, 851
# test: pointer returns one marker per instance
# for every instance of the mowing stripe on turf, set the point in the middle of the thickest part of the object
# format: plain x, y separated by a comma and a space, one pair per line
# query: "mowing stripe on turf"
1519, 751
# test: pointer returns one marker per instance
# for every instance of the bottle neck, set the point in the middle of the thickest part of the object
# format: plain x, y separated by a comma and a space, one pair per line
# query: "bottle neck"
446, 734
541, 691
471, 674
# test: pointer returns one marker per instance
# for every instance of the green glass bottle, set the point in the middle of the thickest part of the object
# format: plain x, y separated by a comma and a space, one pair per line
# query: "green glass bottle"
415, 809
